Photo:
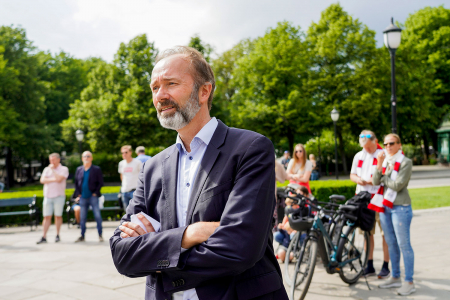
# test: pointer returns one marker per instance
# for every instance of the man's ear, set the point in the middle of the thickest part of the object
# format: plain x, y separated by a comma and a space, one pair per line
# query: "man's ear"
204, 92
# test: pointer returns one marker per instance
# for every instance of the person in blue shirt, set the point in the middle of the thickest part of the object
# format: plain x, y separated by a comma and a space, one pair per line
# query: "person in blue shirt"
140, 151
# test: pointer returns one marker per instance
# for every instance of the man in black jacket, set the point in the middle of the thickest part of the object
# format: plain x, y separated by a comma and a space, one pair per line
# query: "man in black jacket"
88, 182
213, 193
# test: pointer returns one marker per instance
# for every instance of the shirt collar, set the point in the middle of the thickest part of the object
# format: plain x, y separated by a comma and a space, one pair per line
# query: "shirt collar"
204, 135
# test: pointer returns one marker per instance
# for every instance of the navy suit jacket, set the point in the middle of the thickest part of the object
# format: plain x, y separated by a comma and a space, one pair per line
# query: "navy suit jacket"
95, 180
234, 185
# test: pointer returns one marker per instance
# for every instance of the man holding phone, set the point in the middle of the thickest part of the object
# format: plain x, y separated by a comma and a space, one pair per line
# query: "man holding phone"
363, 167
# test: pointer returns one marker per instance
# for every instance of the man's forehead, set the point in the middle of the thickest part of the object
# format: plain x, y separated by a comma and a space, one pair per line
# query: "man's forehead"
170, 66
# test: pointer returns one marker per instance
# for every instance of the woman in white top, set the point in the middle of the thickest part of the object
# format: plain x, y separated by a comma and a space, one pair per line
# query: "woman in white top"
299, 167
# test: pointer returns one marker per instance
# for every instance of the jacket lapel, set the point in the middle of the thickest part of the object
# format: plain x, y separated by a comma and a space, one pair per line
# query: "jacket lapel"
169, 185
209, 158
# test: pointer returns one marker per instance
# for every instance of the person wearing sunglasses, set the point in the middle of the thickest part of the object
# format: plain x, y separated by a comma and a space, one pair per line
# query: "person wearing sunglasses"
129, 169
363, 168
300, 168
393, 173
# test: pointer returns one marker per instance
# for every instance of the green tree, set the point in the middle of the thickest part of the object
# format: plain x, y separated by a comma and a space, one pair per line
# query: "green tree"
342, 74
268, 86
25, 132
223, 68
116, 107
205, 49
425, 41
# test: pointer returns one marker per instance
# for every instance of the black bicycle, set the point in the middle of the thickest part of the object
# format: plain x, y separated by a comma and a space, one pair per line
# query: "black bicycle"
342, 248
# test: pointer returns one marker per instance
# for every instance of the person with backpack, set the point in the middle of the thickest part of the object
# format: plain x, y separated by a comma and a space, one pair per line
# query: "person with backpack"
393, 202
363, 168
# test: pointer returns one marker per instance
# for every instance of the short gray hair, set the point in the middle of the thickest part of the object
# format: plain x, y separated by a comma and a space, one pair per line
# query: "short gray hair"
200, 69
140, 149
55, 155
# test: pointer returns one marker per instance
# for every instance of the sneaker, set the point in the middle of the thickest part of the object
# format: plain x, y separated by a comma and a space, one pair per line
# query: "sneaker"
390, 283
369, 271
42, 240
406, 289
100, 238
57, 239
384, 273
80, 239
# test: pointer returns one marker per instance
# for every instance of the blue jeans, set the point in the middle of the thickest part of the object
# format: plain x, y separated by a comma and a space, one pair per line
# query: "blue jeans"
126, 197
282, 237
84, 206
396, 223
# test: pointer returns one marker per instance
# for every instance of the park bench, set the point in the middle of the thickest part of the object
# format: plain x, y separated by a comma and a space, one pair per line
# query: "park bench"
111, 197
32, 211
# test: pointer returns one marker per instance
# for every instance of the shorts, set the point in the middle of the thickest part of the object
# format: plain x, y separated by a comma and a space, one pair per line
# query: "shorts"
53, 206
377, 221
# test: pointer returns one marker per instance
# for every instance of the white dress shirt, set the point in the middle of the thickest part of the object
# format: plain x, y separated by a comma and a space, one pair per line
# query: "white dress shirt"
188, 165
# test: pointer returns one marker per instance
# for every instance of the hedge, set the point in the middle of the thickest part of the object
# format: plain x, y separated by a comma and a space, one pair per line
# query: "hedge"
320, 189
323, 189
24, 219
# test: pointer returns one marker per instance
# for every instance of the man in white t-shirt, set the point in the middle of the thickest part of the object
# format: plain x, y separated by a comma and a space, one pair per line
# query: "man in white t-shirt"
129, 169
54, 180
363, 167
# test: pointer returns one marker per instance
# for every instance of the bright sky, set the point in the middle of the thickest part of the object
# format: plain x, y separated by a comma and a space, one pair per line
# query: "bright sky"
86, 28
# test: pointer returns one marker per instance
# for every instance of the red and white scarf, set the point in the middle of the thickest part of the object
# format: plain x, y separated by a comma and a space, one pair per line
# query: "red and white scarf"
378, 201
367, 175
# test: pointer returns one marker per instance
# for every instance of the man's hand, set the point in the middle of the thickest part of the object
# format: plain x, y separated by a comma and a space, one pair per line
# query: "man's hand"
132, 230
198, 233
77, 199
361, 181
51, 166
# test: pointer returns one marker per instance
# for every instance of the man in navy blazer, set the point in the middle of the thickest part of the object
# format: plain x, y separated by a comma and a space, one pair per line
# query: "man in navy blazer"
212, 192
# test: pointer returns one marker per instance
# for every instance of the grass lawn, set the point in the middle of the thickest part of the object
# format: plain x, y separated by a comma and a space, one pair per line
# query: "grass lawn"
430, 197
422, 198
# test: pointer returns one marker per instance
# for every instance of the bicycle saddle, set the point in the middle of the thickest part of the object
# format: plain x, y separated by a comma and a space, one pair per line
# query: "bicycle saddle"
337, 197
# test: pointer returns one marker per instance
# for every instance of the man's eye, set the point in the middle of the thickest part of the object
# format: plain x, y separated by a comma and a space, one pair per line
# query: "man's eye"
154, 88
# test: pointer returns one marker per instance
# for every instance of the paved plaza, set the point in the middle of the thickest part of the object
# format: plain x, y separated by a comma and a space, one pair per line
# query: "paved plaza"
85, 270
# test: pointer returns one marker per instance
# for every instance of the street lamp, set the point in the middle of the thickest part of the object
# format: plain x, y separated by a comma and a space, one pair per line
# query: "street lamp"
335, 117
392, 39
79, 134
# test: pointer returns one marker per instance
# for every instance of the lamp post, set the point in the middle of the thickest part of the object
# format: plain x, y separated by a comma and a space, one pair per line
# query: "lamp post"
392, 39
79, 134
335, 117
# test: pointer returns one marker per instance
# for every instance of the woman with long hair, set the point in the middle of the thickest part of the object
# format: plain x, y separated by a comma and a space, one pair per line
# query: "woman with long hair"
299, 167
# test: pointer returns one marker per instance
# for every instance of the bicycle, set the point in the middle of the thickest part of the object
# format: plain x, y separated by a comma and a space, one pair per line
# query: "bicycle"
344, 251
302, 227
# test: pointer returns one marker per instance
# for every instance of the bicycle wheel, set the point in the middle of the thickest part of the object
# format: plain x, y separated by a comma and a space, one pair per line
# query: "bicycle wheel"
355, 248
289, 265
304, 269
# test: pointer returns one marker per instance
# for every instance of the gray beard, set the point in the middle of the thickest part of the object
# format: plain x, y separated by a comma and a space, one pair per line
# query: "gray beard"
183, 115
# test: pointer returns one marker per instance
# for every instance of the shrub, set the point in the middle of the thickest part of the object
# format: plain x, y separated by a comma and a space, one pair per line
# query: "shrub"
39, 200
322, 190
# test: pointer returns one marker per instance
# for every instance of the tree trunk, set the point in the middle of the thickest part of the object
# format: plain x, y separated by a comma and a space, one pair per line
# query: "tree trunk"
9, 169
342, 151
290, 137
425, 146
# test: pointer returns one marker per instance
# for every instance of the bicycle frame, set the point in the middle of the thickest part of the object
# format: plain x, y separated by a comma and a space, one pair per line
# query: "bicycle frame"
327, 250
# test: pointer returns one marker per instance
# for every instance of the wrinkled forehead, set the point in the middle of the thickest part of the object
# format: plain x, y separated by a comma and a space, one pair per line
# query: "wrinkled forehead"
390, 139
175, 66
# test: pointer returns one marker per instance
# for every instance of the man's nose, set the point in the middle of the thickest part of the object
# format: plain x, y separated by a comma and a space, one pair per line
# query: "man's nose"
161, 94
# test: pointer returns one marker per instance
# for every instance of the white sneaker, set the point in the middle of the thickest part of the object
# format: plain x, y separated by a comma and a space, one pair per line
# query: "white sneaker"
391, 283
406, 289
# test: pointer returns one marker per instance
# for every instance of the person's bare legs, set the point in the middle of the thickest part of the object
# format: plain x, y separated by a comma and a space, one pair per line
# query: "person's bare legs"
58, 223
372, 246
46, 225
76, 211
281, 254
